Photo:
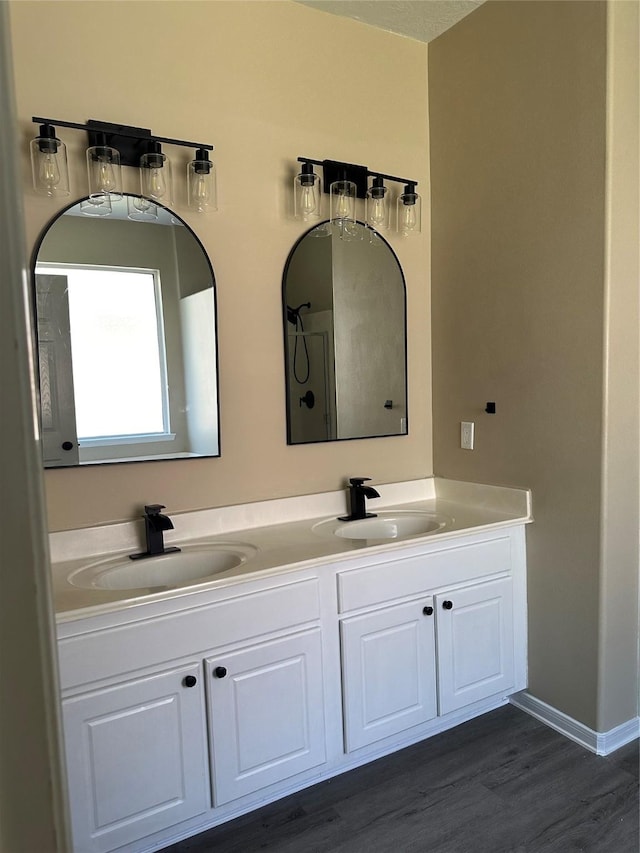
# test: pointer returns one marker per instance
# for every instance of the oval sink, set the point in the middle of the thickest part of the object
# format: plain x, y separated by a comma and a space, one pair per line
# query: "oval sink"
386, 525
166, 571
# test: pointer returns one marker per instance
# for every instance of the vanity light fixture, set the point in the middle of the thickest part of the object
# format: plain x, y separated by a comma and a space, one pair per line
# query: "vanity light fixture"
49, 162
201, 183
342, 198
113, 145
346, 182
409, 211
103, 171
307, 189
155, 174
377, 206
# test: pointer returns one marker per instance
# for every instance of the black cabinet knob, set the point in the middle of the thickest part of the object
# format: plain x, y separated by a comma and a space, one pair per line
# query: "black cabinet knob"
447, 605
189, 681
428, 610
67, 445
220, 671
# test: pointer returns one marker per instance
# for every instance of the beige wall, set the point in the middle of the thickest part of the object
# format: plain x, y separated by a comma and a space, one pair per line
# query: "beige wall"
242, 76
520, 316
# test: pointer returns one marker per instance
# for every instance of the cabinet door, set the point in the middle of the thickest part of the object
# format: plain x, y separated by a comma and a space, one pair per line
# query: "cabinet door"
266, 714
475, 643
388, 660
136, 758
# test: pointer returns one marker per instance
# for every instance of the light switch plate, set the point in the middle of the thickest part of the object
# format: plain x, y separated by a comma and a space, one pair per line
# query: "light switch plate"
466, 435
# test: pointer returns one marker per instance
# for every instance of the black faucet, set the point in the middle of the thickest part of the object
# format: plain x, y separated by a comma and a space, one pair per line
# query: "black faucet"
154, 526
357, 495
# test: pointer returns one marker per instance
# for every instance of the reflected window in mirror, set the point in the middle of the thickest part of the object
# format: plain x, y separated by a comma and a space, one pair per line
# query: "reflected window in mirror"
127, 344
115, 321
344, 312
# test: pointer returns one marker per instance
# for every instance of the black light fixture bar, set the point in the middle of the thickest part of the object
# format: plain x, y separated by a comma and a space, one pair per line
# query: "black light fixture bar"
130, 141
335, 170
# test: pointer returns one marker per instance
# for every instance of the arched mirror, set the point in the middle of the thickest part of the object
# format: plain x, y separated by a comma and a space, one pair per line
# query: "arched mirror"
344, 304
126, 337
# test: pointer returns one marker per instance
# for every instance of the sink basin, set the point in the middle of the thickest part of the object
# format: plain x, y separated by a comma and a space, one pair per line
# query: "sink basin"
167, 571
386, 525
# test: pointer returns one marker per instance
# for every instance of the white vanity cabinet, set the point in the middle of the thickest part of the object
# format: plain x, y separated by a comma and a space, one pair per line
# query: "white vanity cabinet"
389, 671
185, 712
476, 657
439, 653
266, 714
150, 745
136, 757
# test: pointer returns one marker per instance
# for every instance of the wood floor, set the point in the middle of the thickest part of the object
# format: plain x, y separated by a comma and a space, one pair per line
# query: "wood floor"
502, 783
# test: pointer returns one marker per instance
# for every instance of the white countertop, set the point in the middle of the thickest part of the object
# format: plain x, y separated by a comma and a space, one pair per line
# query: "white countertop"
279, 534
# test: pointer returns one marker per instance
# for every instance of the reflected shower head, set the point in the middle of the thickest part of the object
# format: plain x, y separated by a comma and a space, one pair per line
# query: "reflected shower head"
293, 314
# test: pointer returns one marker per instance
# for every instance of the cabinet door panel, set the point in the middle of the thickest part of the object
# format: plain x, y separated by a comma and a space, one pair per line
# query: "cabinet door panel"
388, 671
136, 757
266, 714
475, 643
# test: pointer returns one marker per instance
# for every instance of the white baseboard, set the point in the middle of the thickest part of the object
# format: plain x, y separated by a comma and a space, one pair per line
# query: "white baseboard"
602, 743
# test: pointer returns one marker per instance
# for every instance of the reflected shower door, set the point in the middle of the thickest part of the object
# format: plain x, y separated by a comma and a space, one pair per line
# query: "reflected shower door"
310, 413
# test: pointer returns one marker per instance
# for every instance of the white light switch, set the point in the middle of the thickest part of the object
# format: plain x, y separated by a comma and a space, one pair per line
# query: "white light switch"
466, 435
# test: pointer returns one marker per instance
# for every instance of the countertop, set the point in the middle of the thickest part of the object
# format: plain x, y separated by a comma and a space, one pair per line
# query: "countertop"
276, 548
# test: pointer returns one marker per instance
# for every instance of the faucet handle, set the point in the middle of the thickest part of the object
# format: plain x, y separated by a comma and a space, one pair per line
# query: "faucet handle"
358, 481
153, 509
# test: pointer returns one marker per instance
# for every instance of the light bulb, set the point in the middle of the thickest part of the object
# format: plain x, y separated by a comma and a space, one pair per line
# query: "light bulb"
409, 211
106, 175
49, 171
343, 201
200, 191
156, 187
201, 183
378, 214
408, 220
343, 206
103, 170
155, 174
308, 200
306, 190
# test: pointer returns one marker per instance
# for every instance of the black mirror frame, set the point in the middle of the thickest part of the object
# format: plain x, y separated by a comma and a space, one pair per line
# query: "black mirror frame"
34, 330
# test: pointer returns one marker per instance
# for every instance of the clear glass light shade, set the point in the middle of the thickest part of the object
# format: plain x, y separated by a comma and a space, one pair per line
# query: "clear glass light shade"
141, 209
409, 209
342, 201
307, 196
377, 207
49, 167
201, 185
342, 196
155, 177
104, 172
98, 204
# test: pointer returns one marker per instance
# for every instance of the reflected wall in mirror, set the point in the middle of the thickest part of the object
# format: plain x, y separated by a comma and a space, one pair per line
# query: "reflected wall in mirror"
126, 338
344, 302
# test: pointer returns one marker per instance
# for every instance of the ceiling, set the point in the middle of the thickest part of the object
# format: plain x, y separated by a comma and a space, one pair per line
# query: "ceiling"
423, 20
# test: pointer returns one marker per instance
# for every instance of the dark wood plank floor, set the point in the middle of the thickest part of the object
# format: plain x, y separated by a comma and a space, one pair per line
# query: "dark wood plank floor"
502, 783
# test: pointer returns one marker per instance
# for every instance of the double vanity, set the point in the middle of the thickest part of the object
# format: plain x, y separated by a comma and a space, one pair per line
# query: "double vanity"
279, 647
268, 646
